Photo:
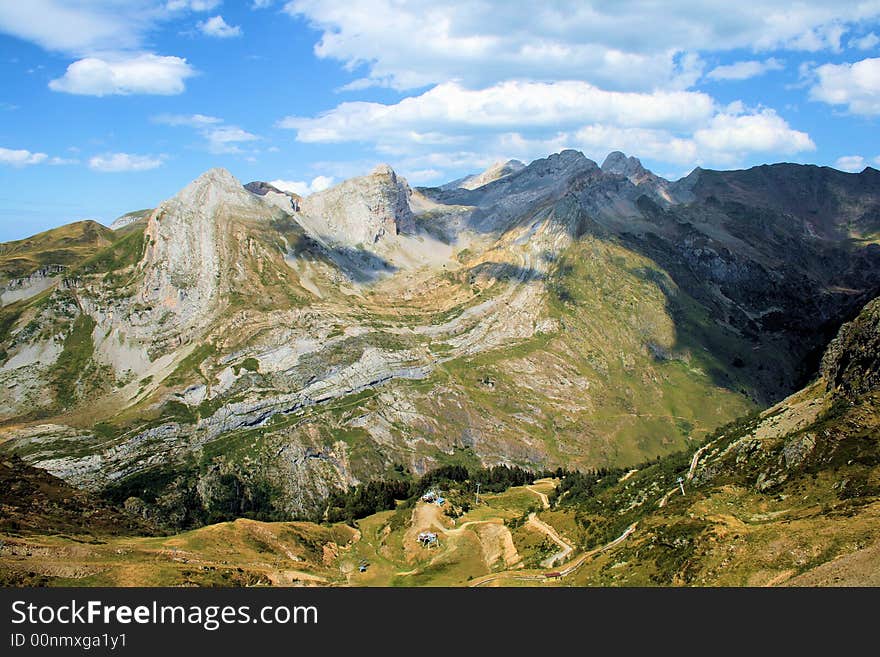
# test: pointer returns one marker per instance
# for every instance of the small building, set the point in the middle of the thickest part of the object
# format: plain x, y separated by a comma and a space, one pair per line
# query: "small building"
427, 539
430, 496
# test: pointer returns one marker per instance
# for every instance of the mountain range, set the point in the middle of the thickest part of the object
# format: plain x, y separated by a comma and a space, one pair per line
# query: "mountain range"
242, 350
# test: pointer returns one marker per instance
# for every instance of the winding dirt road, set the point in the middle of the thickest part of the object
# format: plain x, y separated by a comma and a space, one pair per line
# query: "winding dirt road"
567, 570
554, 536
544, 499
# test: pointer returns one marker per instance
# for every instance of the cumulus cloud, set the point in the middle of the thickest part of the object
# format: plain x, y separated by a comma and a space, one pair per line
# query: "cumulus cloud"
734, 135
744, 70
628, 44
530, 119
217, 27
851, 163
20, 157
318, 184
726, 139
106, 39
78, 27
125, 75
123, 162
429, 117
867, 42
855, 85
225, 139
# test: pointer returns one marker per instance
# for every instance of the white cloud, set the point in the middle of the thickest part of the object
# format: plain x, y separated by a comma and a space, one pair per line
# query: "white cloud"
192, 5
318, 184
217, 27
191, 120
261, 4
220, 137
744, 70
598, 140
856, 85
731, 136
851, 163
867, 42
106, 38
125, 75
627, 44
726, 139
422, 176
450, 107
450, 128
681, 123
20, 157
225, 139
78, 27
123, 162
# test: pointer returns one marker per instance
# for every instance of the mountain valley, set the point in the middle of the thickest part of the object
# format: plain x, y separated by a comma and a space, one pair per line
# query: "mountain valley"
228, 364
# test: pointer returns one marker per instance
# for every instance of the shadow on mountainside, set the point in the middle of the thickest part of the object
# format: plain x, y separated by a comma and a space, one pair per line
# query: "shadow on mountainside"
359, 265
504, 271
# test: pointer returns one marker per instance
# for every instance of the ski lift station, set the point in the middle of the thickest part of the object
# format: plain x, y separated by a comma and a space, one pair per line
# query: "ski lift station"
433, 496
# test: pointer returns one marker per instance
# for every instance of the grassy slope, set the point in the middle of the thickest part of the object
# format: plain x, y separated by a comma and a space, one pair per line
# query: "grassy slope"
66, 246
636, 402
83, 248
729, 528
280, 553
751, 516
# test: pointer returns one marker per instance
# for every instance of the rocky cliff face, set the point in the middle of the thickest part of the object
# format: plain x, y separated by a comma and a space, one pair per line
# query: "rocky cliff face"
191, 251
130, 218
851, 364
361, 211
288, 201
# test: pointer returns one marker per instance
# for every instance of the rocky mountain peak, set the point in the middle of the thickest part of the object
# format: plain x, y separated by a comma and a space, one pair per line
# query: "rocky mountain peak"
212, 188
383, 170
562, 167
496, 171
631, 168
362, 210
619, 163
190, 244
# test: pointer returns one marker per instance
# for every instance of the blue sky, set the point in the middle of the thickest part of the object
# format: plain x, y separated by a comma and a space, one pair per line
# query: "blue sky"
108, 106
